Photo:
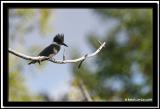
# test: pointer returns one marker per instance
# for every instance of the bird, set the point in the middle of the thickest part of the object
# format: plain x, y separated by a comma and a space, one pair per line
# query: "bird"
52, 49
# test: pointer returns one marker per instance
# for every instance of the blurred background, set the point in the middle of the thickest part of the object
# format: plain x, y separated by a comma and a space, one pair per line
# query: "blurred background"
123, 69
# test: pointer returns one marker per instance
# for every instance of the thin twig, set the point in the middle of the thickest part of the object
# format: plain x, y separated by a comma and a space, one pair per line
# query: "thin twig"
99, 42
82, 62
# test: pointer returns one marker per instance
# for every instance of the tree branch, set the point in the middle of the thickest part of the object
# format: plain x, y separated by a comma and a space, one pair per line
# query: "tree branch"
84, 91
42, 58
27, 57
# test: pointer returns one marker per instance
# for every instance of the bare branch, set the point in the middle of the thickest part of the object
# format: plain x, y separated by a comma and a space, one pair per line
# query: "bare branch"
81, 58
27, 57
42, 58
84, 91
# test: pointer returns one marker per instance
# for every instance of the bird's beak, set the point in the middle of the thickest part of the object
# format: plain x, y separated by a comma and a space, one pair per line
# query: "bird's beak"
65, 44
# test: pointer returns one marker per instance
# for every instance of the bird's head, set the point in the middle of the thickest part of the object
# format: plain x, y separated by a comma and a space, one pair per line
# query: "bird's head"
59, 39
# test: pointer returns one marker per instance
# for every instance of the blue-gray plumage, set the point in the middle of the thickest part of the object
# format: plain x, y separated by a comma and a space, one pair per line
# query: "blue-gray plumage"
53, 48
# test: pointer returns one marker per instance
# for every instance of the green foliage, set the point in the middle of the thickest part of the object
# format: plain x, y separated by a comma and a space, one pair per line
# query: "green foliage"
116, 63
22, 22
16, 90
44, 17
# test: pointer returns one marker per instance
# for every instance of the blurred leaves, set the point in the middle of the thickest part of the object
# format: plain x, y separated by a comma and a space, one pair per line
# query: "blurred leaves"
125, 68
44, 17
21, 23
18, 91
116, 77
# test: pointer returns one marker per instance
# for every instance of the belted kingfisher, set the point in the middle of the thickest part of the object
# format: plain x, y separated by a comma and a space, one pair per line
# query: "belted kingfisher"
53, 48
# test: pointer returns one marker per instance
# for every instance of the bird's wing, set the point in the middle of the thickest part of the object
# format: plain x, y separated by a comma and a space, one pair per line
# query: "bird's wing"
47, 51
